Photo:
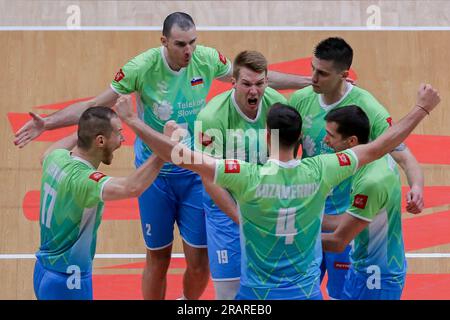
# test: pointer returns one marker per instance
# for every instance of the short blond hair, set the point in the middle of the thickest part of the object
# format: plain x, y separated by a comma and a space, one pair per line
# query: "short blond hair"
252, 60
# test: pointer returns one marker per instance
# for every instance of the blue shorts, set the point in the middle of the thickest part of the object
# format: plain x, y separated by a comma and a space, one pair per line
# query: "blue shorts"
336, 265
357, 288
52, 285
224, 248
291, 293
169, 199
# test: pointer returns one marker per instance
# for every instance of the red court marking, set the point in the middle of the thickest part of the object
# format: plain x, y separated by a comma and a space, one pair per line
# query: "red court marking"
434, 196
129, 210
323, 287
17, 120
429, 148
128, 287
427, 287
61, 105
114, 210
134, 265
426, 231
174, 263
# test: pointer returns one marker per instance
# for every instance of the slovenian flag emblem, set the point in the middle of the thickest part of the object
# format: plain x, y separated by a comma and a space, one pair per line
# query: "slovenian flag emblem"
196, 81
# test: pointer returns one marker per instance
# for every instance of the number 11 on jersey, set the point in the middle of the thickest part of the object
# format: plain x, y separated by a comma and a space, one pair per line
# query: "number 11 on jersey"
47, 208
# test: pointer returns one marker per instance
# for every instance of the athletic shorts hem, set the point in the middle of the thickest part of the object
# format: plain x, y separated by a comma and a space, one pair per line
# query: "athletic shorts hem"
200, 246
158, 248
225, 279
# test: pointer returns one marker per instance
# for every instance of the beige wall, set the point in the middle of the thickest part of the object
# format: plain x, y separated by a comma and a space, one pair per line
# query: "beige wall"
229, 13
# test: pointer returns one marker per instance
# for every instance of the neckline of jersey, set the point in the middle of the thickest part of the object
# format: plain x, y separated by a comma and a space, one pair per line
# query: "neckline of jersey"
328, 107
166, 64
285, 164
83, 160
233, 100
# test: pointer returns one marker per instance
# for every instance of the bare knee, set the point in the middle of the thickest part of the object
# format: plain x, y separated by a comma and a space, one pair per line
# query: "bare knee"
158, 259
198, 264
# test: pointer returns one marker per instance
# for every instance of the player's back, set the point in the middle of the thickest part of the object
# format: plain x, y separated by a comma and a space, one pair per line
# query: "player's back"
280, 206
378, 200
70, 211
280, 222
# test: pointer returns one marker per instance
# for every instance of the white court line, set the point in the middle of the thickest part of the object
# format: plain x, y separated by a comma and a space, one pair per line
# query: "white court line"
223, 28
180, 255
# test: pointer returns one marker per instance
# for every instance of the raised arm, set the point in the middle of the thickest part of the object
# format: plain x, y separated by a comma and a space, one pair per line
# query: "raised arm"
427, 99
62, 118
166, 148
133, 185
414, 175
279, 80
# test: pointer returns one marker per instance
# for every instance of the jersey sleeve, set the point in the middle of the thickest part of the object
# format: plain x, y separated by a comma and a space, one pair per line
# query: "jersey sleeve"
126, 79
210, 139
296, 100
367, 199
382, 119
235, 176
336, 167
51, 155
220, 64
276, 97
87, 188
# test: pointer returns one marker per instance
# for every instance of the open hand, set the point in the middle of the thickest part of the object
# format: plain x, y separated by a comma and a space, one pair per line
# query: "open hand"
31, 130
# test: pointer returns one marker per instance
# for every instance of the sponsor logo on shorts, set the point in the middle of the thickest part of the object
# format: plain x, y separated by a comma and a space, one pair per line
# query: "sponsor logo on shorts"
96, 176
119, 75
360, 201
232, 166
342, 265
344, 159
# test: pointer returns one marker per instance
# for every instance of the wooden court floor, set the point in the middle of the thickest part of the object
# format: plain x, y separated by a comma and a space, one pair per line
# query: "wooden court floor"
45, 70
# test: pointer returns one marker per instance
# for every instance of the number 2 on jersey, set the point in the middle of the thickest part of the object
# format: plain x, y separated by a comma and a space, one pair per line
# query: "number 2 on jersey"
48, 205
286, 224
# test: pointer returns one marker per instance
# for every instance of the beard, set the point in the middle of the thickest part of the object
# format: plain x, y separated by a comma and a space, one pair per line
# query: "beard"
107, 155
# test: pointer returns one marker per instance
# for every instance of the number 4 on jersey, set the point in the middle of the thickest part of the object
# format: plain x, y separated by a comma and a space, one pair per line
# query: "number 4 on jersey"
286, 224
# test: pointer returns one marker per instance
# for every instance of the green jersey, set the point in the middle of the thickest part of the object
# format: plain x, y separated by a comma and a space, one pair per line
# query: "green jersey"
313, 111
226, 132
281, 206
376, 198
164, 94
70, 212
